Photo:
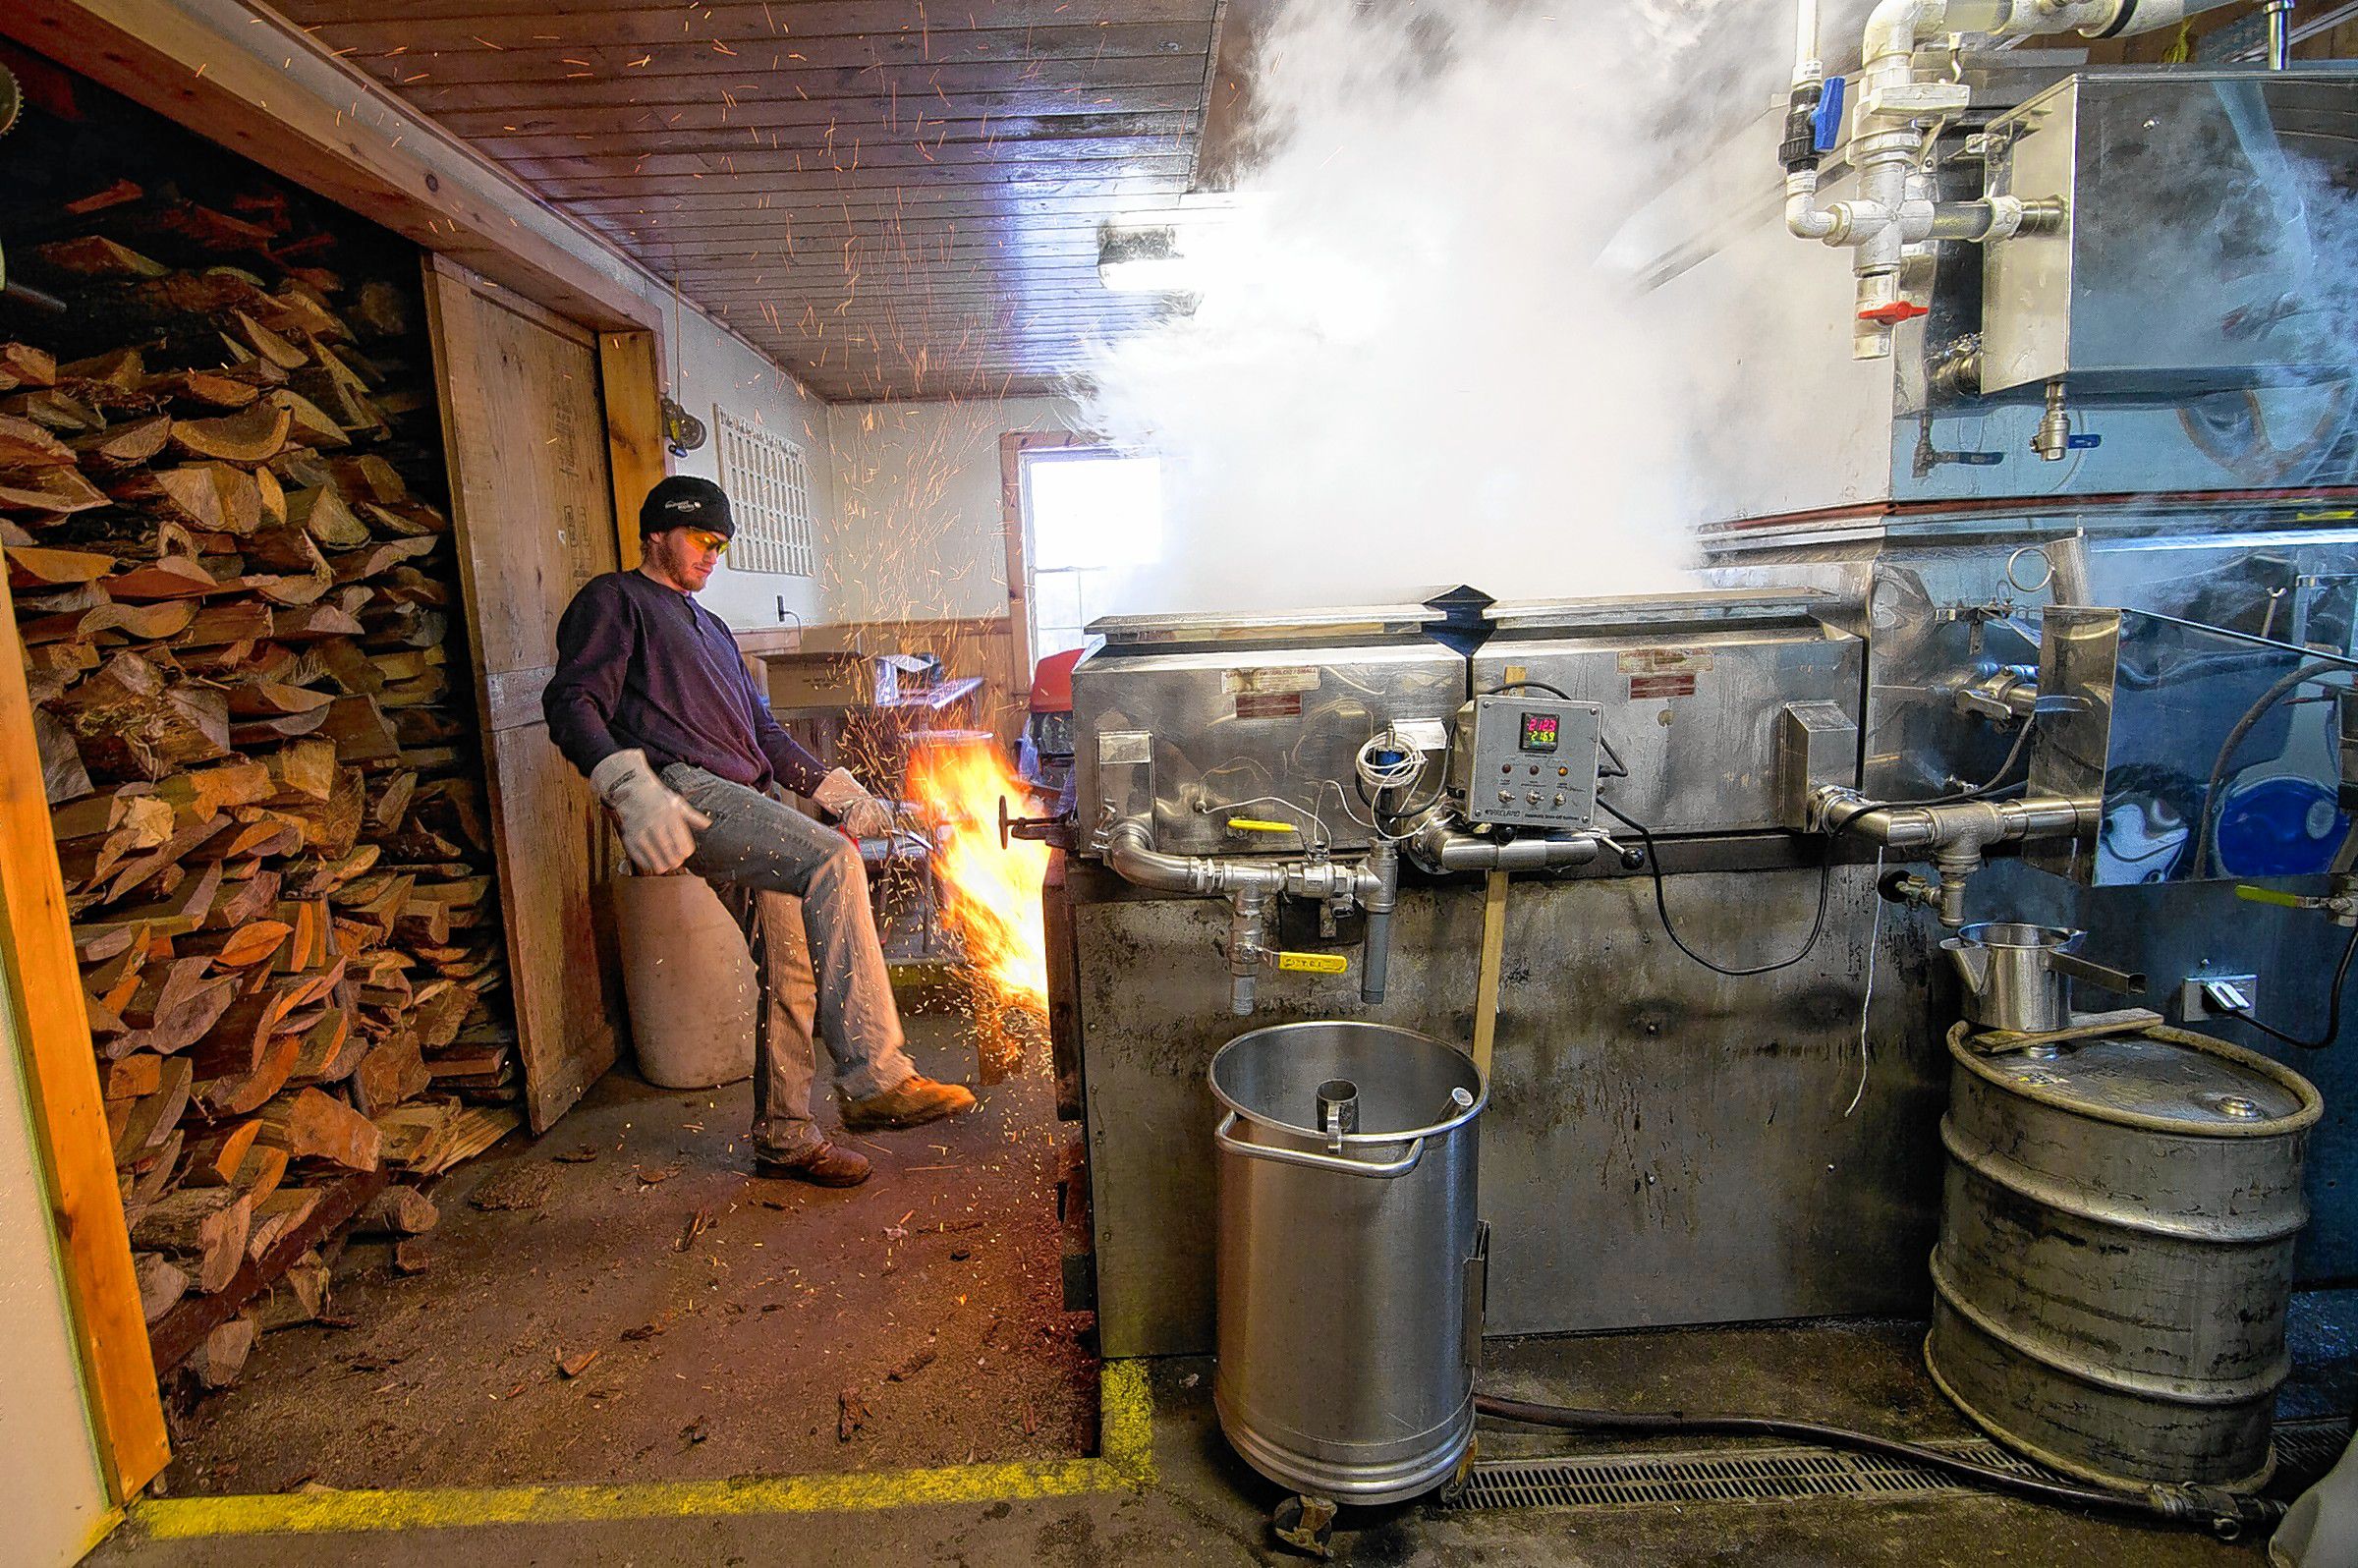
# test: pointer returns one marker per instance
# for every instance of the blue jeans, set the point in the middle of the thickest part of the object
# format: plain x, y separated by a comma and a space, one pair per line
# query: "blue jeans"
819, 964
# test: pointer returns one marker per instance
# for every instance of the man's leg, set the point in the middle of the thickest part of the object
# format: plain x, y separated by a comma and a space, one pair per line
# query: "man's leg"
764, 843
783, 1055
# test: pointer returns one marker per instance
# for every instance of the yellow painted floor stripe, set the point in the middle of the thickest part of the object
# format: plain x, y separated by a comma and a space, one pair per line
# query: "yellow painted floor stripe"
1126, 1438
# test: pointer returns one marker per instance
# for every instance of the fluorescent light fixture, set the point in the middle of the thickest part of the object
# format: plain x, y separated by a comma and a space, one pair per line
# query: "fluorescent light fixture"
1141, 261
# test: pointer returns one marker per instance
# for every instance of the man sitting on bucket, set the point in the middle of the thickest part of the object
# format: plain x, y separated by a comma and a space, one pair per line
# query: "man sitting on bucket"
653, 700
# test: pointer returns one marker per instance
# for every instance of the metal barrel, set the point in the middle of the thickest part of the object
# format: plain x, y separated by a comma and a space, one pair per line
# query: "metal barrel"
2115, 1252
1350, 1255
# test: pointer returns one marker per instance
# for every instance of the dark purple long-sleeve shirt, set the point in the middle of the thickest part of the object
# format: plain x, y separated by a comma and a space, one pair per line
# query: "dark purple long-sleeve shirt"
644, 665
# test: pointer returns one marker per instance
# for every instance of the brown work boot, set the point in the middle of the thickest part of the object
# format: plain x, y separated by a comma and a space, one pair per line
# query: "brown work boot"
912, 1102
828, 1165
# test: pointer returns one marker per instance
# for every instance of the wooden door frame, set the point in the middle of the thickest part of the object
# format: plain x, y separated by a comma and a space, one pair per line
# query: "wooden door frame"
1012, 447
630, 368
42, 985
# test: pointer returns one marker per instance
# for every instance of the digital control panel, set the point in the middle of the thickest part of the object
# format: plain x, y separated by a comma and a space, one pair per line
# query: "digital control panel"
1530, 762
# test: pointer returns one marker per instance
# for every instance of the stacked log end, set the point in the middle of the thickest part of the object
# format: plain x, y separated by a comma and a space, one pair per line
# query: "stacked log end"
239, 609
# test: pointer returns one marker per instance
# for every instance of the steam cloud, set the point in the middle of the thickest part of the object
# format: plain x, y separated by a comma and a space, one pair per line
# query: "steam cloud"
1410, 364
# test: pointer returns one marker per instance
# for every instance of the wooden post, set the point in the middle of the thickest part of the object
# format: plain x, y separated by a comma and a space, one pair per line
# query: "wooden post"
43, 997
630, 374
1493, 960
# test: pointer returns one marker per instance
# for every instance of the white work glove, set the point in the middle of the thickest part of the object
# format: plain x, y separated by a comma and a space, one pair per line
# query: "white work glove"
863, 815
659, 826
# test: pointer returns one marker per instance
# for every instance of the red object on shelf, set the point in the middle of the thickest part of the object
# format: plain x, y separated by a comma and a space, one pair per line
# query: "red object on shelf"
1895, 314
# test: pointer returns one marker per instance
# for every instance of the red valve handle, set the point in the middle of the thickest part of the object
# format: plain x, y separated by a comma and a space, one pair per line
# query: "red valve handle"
1895, 314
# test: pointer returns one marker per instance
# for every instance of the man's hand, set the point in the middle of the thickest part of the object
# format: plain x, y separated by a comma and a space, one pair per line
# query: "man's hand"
659, 826
863, 815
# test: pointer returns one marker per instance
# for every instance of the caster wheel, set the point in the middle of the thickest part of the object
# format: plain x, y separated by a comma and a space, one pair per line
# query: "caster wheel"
1306, 1524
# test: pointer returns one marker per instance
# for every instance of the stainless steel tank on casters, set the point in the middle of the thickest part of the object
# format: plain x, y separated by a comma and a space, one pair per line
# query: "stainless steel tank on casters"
1351, 1257
2115, 1252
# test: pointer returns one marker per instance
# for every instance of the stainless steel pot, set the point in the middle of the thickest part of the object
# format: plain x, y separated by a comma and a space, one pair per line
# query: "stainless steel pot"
1351, 1257
2018, 977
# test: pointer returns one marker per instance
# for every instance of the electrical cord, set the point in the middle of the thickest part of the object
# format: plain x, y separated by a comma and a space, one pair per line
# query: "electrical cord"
1996, 781
1662, 904
2342, 973
2225, 1512
1620, 768
2244, 726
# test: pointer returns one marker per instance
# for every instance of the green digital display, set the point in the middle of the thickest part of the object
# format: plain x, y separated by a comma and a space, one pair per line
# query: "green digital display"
1541, 732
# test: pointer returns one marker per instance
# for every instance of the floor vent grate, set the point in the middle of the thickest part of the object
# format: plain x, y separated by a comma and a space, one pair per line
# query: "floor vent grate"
1788, 1475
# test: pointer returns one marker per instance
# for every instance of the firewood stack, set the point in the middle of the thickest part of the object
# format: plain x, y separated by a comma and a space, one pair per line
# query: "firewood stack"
242, 624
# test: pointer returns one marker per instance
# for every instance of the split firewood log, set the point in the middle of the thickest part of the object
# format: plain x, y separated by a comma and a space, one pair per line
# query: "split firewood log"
266, 344
33, 566
54, 410
48, 493
308, 424
209, 1225
249, 438
221, 1357
26, 444
210, 497
203, 391
241, 1094
142, 1123
94, 257
299, 1296
162, 1282
169, 577
322, 513
123, 446
311, 1125
215, 1155
24, 366
284, 1210
392, 1072
127, 721
398, 1211
114, 373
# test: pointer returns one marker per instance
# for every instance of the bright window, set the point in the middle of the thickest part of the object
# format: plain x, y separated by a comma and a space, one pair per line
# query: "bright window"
1091, 516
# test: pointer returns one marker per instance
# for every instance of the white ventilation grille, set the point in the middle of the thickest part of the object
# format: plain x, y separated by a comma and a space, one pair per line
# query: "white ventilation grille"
768, 481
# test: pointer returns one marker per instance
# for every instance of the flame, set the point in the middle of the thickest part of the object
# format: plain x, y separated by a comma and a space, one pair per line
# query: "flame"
991, 894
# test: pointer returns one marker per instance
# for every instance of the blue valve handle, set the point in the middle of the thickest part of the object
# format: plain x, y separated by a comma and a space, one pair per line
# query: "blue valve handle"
1826, 124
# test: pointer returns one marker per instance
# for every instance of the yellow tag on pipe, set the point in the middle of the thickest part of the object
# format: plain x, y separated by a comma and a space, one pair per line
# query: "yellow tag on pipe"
1254, 824
1315, 963
2267, 895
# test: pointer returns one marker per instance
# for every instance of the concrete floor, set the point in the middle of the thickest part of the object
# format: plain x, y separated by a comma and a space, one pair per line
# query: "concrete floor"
759, 1319
1202, 1507
725, 1315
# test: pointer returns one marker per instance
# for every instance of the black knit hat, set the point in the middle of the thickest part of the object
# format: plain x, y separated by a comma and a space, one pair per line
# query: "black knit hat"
684, 501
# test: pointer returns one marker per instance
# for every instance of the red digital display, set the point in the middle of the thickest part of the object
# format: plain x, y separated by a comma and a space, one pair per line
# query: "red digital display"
1541, 732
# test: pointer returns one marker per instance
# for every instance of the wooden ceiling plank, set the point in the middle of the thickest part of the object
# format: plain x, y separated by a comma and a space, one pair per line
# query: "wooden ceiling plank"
1039, 51
722, 135
818, 187
850, 155
1118, 110
796, 83
419, 24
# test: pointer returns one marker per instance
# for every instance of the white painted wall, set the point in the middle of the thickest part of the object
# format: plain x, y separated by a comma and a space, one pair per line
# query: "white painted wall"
717, 371
916, 529
51, 1494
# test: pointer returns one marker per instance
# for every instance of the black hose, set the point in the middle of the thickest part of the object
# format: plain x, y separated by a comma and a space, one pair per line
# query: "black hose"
2226, 1513
1662, 904
2235, 738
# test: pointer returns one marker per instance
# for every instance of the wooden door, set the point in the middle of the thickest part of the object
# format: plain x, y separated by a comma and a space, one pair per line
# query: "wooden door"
524, 433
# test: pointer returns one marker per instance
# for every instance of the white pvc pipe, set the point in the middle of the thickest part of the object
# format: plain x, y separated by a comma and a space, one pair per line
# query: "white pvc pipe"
1808, 66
